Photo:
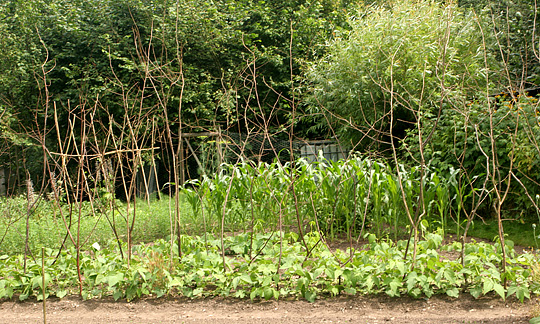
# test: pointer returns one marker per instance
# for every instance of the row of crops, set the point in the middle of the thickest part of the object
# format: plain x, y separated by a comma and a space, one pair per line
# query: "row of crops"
347, 196
289, 214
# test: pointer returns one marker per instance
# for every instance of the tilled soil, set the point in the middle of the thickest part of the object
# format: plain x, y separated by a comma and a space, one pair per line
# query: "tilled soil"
464, 309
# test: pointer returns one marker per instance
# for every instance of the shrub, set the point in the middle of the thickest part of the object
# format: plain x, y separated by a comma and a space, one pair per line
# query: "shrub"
412, 58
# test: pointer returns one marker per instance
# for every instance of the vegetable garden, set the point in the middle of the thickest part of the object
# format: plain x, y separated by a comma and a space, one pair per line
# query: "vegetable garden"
124, 180
264, 240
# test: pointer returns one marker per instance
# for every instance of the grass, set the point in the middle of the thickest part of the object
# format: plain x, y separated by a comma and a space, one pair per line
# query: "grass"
520, 233
153, 222
47, 228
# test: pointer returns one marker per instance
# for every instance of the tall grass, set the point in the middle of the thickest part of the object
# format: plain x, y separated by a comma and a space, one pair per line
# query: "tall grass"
46, 227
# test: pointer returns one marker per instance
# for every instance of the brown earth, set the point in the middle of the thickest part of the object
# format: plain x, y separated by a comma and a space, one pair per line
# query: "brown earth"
464, 309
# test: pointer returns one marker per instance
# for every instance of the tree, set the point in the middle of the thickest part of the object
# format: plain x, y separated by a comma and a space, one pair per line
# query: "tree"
410, 60
517, 25
238, 59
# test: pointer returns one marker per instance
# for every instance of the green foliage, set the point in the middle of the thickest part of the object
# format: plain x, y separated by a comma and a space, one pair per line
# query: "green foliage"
462, 140
378, 268
515, 21
94, 48
411, 59
336, 198
141, 58
343, 197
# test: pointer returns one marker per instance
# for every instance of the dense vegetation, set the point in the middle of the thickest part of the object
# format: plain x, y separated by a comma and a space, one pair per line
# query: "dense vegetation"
260, 240
250, 270
435, 101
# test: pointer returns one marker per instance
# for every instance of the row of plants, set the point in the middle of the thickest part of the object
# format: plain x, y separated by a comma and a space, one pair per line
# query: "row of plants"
343, 198
273, 266
335, 197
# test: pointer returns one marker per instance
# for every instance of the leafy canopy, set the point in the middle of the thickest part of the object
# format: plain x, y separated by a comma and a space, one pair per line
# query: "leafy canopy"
412, 57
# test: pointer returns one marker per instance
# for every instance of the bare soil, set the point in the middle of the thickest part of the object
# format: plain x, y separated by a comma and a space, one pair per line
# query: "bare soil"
438, 309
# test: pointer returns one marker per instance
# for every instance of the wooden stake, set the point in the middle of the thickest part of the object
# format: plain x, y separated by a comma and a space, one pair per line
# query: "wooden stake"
43, 285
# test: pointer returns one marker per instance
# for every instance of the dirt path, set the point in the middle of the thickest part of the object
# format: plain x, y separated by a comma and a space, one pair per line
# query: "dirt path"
335, 310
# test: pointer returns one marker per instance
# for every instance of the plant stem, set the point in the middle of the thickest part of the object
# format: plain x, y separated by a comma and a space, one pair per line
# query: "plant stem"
43, 285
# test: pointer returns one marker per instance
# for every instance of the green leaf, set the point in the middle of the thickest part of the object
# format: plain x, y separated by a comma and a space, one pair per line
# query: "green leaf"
240, 294
268, 293
142, 273
488, 285
476, 291
450, 276
393, 287
369, 282
256, 292
317, 272
38, 281
522, 293
401, 267
118, 294
535, 320
246, 278
499, 289
40, 296
235, 282
411, 281
350, 291
511, 290
266, 281
112, 280
310, 296
276, 294
453, 292
61, 293
175, 282
197, 291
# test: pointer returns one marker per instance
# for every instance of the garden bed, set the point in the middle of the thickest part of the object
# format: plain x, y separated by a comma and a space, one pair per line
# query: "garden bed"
403, 310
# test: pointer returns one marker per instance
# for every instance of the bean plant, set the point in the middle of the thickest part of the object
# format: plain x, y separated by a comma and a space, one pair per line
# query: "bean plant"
273, 266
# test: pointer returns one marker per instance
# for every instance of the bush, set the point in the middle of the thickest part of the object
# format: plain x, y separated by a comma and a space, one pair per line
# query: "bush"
462, 140
411, 59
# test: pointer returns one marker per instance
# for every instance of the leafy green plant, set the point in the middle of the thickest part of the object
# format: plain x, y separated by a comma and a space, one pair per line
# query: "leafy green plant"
458, 144
378, 267
417, 49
